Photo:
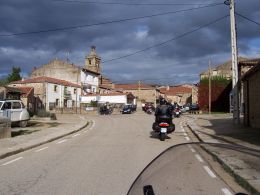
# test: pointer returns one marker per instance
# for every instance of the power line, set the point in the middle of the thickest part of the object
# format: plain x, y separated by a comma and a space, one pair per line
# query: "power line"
242, 16
169, 40
135, 80
107, 22
118, 3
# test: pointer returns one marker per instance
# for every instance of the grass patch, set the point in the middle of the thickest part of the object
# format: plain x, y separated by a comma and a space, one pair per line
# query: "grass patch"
55, 124
23, 132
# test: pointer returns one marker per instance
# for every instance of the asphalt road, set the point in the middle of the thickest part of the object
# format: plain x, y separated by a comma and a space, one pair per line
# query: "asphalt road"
105, 159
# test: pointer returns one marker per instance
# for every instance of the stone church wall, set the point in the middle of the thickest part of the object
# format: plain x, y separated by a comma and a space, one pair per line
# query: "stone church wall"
60, 70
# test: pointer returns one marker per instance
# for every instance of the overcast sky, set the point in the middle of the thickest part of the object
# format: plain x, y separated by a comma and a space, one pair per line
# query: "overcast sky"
177, 61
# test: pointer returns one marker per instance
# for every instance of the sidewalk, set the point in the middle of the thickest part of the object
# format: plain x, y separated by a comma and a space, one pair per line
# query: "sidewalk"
64, 125
242, 160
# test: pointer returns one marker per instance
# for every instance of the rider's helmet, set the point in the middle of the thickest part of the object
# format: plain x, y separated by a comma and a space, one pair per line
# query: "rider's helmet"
163, 101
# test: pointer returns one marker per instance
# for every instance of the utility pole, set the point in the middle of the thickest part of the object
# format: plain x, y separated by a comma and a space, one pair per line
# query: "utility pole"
139, 90
209, 87
235, 92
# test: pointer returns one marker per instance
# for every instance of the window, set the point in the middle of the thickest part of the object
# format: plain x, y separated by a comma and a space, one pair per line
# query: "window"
7, 105
57, 102
89, 62
55, 88
75, 90
16, 105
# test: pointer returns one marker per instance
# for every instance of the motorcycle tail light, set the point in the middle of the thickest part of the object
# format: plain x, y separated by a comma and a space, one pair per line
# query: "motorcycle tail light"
164, 125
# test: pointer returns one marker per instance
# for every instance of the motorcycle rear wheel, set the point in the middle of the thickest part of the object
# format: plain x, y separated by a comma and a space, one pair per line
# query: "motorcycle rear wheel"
162, 136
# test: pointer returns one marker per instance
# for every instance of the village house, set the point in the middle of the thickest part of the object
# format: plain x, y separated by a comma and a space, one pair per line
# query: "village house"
7, 92
52, 93
251, 92
223, 70
179, 94
143, 92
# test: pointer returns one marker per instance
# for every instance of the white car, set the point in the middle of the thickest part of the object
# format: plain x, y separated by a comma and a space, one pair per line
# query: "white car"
15, 110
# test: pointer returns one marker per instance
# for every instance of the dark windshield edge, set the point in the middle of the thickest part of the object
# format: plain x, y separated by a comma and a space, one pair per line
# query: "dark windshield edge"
229, 146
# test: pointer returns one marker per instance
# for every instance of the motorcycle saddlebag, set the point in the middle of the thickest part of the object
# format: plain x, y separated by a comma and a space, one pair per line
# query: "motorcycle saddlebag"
171, 128
156, 126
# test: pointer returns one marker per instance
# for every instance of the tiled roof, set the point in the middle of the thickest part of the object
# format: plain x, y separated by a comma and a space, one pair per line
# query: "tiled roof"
176, 90
251, 71
250, 62
133, 86
224, 66
25, 90
87, 70
47, 80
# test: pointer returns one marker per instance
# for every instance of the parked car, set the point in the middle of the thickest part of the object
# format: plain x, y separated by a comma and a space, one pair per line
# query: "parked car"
16, 111
187, 106
127, 109
194, 107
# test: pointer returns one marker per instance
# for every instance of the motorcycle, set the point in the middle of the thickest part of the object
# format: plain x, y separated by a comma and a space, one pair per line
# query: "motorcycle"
177, 113
163, 128
149, 111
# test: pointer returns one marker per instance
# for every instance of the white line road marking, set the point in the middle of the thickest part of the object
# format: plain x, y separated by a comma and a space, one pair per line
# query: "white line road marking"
7, 163
226, 191
192, 150
187, 138
81, 117
64, 140
75, 135
93, 124
211, 174
41, 149
199, 158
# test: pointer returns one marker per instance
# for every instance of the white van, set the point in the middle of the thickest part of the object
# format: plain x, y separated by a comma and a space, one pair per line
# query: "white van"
15, 110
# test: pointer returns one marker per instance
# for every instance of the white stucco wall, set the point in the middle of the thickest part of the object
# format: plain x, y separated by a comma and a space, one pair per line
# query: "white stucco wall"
119, 99
52, 95
90, 79
122, 99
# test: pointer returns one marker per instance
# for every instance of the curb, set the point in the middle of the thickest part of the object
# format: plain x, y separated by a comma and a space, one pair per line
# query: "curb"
17, 151
240, 180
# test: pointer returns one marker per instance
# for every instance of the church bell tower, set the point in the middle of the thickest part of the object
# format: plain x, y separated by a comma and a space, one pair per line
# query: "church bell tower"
92, 61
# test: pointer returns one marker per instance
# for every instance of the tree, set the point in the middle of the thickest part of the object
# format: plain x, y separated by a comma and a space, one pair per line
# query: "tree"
15, 75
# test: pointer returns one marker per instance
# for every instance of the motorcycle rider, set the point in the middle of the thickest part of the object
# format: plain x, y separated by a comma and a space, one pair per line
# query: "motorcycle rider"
163, 112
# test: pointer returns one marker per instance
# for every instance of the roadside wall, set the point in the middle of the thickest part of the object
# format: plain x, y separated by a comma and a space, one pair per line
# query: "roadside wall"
219, 96
5, 128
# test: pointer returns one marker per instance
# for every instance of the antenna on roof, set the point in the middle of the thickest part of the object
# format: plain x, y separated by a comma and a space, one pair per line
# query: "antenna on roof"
67, 59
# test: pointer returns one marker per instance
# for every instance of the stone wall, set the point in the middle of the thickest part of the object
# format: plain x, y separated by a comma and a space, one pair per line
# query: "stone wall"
147, 95
5, 128
39, 93
60, 70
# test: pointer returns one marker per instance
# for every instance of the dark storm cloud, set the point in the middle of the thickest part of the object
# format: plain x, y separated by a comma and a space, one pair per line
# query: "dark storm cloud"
118, 39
